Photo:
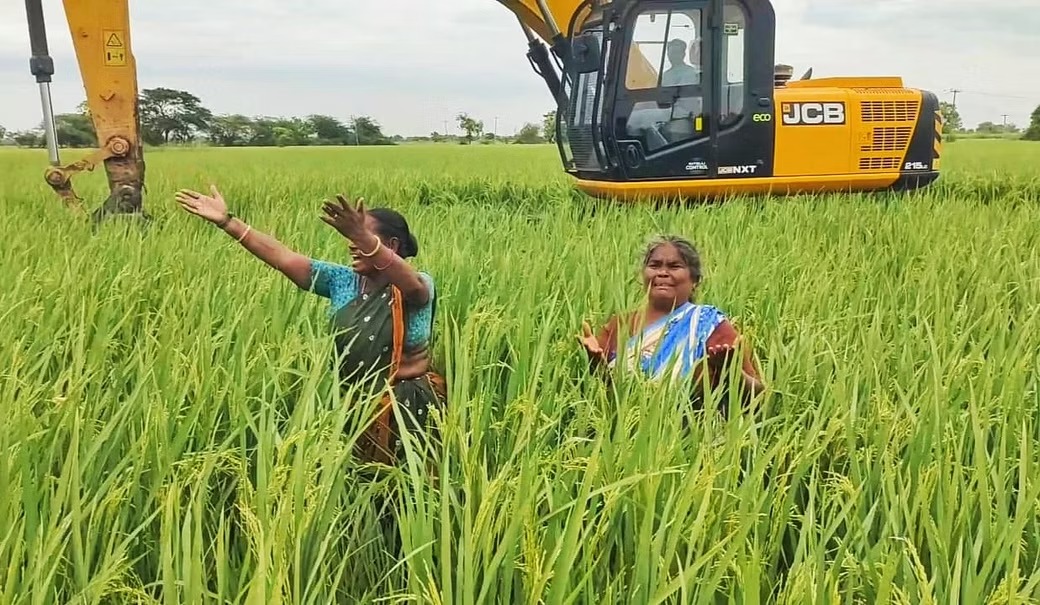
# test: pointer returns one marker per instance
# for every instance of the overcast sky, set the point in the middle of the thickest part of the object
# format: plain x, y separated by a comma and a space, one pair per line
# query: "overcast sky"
412, 65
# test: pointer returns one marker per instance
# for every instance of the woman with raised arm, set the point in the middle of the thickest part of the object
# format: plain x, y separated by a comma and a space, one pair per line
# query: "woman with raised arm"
382, 308
671, 337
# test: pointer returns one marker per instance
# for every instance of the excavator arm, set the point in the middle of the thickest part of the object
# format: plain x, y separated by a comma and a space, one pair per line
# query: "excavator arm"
100, 32
551, 21
546, 18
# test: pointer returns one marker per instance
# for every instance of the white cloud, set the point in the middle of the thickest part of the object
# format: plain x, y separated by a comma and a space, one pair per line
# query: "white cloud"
938, 45
412, 65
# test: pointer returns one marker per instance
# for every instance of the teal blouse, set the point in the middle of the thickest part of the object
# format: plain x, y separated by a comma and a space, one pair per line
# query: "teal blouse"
340, 284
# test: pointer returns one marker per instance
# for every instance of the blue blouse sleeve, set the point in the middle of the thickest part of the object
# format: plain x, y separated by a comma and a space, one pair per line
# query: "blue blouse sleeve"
420, 324
710, 318
331, 280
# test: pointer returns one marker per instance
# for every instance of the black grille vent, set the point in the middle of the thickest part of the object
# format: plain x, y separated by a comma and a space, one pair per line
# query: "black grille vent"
889, 111
889, 163
889, 139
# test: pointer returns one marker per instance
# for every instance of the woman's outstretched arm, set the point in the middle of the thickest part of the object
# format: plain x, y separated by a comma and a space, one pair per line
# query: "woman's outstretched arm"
213, 208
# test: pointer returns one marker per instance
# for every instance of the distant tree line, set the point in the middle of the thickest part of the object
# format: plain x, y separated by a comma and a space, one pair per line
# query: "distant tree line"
1033, 132
473, 130
955, 125
177, 117
171, 116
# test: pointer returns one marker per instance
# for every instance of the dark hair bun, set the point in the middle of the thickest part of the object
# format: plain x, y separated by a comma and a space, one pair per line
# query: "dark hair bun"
394, 226
410, 247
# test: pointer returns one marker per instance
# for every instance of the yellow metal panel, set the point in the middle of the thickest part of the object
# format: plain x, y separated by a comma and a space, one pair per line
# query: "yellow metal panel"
819, 149
849, 82
531, 15
101, 35
886, 121
697, 188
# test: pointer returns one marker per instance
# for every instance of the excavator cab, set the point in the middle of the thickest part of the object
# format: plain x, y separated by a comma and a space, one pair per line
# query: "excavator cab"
682, 99
668, 97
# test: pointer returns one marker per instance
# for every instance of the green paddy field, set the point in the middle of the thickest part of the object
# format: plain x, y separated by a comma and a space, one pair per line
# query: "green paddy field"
170, 431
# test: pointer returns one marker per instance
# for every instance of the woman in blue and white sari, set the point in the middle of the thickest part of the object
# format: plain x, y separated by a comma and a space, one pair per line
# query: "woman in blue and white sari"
672, 338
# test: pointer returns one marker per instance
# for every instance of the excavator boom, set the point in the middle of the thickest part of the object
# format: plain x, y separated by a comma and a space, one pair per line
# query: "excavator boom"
100, 32
546, 18
551, 21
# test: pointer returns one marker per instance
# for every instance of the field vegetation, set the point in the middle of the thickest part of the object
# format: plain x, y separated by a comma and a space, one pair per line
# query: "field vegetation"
171, 432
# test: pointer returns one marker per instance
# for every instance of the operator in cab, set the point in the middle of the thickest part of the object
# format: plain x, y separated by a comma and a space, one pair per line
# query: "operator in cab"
382, 309
680, 73
671, 337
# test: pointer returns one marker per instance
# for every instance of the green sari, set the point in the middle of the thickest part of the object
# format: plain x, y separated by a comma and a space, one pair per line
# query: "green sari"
369, 335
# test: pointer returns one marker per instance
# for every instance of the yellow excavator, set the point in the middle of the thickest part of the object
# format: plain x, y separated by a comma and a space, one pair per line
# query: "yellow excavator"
655, 99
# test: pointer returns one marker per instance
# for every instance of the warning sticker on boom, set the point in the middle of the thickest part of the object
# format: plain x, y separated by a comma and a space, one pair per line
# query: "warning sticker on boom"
115, 47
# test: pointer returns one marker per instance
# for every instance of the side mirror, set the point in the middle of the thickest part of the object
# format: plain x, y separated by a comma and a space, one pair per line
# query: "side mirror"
586, 53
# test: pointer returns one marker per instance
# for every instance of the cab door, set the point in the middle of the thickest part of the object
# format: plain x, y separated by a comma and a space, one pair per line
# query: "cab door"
663, 91
745, 128
694, 94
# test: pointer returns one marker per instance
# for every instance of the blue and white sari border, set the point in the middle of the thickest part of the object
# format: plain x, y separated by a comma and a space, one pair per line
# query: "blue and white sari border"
675, 342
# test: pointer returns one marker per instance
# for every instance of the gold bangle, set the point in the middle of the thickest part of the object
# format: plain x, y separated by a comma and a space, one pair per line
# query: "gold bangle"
388, 263
245, 233
379, 245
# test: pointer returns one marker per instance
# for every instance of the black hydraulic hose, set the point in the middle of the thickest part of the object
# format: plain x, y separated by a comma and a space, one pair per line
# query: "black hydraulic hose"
40, 64
538, 54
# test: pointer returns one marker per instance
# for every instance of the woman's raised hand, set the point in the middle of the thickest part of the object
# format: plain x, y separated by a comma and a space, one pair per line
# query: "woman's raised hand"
210, 207
589, 341
348, 220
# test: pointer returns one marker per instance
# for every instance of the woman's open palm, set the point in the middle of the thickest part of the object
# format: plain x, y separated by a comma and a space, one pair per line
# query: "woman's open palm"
589, 341
210, 207
721, 356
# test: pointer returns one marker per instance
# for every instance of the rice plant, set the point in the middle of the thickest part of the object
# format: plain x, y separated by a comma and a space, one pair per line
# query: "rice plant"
172, 432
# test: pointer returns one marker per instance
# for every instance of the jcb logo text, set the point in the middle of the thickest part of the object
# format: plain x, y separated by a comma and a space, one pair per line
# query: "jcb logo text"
813, 114
738, 169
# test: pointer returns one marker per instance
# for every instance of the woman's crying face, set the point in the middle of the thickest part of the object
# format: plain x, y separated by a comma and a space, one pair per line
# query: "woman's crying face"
667, 277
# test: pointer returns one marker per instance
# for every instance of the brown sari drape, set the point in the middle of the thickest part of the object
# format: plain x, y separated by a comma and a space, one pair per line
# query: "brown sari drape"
370, 334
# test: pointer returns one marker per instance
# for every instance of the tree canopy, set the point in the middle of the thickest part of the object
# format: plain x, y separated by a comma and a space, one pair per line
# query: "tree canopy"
1033, 132
171, 116
473, 128
951, 117
177, 116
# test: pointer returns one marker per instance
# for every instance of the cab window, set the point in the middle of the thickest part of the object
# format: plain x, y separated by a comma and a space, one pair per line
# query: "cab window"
665, 50
734, 48
665, 54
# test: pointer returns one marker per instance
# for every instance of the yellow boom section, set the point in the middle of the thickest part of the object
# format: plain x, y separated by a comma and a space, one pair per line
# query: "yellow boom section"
101, 36
530, 14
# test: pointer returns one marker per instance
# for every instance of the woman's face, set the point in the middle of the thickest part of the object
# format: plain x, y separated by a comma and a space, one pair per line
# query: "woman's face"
667, 277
